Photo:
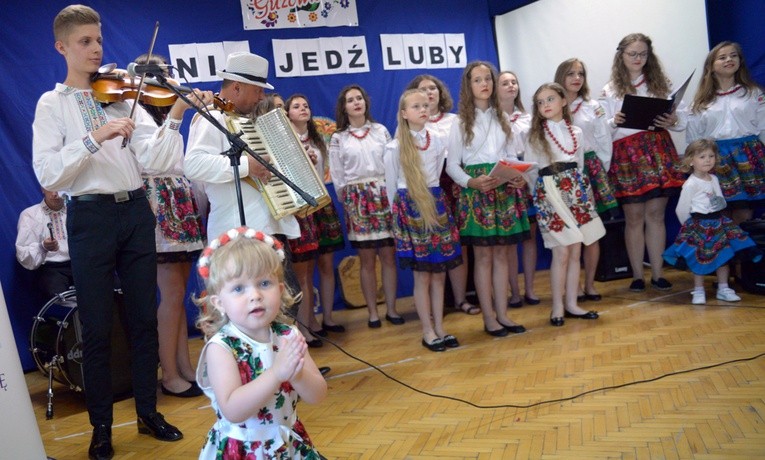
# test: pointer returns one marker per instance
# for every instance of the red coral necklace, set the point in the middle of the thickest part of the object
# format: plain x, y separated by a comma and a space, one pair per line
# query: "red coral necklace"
366, 132
427, 141
573, 138
730, 91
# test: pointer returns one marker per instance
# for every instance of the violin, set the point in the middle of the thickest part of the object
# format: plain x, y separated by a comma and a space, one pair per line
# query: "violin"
117, 85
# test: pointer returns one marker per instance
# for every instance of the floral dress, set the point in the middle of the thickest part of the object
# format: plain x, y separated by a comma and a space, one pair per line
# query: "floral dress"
274, 432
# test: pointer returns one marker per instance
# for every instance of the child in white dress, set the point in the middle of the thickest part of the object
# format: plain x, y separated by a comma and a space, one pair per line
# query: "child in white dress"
254, 367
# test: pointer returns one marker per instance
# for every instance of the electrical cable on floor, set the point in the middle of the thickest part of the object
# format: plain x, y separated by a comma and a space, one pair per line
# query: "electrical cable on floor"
539, 403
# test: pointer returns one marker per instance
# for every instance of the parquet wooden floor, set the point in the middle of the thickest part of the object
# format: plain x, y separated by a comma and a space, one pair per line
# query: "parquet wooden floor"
519, 387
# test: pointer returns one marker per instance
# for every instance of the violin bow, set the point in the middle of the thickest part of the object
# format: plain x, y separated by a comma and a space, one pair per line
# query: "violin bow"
143, 77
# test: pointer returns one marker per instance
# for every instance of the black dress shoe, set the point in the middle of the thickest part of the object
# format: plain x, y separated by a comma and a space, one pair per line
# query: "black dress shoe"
190, 392
397, 320
501, 332
374, 324
531, 300
557, 321
592, 297
436, 345
101, 443
155, 425
589, 315
581, 298
333, 328
324, 370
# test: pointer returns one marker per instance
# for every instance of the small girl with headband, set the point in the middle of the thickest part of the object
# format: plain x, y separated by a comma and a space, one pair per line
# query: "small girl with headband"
253, 367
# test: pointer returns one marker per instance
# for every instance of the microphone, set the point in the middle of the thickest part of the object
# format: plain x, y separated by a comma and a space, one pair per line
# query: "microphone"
136, 70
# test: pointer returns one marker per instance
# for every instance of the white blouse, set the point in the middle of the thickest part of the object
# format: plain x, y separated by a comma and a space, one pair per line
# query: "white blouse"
489, 145
432, 161
443, 125
67, 159
560, 131
596, 134
697, 196
612, 104
353, 160
729, 117
521, 124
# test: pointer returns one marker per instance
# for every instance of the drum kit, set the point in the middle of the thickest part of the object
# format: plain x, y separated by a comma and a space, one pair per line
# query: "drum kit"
56, 345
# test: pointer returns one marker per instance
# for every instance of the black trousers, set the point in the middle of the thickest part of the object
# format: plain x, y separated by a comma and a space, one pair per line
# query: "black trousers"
55, 278
105, 237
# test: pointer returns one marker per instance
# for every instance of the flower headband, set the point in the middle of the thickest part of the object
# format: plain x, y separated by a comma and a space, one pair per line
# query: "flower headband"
234, 233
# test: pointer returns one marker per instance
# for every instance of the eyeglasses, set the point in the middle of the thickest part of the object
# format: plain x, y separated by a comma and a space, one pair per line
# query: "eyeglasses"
635, 54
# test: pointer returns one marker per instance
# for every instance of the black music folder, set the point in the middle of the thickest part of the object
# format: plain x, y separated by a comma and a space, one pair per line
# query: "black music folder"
640, 111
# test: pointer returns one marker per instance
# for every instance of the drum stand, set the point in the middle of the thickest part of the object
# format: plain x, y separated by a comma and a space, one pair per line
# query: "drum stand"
53, 364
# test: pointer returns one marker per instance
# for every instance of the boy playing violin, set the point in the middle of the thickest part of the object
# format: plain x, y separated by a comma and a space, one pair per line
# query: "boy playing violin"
77, 150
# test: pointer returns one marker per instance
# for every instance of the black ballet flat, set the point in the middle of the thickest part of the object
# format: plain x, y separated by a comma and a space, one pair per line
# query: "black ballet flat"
501, 332
321, 332
333, 328
531, 300
450, 341
436, 345
189, 392
517, 304
315, 343
581, 298
374, 324
397, 320
592, 297
517, 329
557, 321
589, 315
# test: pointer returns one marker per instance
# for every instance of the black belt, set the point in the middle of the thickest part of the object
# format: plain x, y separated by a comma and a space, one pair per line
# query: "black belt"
118, 197
711, 215
556, 168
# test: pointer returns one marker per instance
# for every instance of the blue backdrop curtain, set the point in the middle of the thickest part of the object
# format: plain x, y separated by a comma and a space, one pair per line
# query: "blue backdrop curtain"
32, 66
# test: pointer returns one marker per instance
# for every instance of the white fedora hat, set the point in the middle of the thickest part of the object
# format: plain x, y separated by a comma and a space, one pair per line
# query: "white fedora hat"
246, 68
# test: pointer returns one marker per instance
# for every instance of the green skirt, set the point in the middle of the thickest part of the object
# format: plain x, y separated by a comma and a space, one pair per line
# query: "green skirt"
497, 217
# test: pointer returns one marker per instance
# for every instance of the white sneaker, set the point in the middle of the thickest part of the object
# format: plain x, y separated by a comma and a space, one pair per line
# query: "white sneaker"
699, 297
728, 295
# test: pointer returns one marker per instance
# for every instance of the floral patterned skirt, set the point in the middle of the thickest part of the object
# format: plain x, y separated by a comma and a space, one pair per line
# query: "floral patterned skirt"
329, 230
742, 170
705, 244
497, 217
228, 448
179, 226
645, 165
307, 246
421, 249
565, 210
602, 191
368, 221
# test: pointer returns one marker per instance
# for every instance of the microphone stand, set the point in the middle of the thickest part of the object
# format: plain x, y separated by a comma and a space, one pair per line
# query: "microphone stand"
235, 152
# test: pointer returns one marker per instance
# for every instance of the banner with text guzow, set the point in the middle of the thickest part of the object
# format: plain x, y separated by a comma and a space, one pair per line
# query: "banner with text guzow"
19, 433
291, 14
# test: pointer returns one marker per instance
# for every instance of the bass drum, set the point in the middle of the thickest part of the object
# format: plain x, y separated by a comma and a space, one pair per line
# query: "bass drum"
56, 343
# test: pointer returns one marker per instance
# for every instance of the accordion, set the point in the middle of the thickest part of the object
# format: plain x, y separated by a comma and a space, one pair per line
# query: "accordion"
272, 134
